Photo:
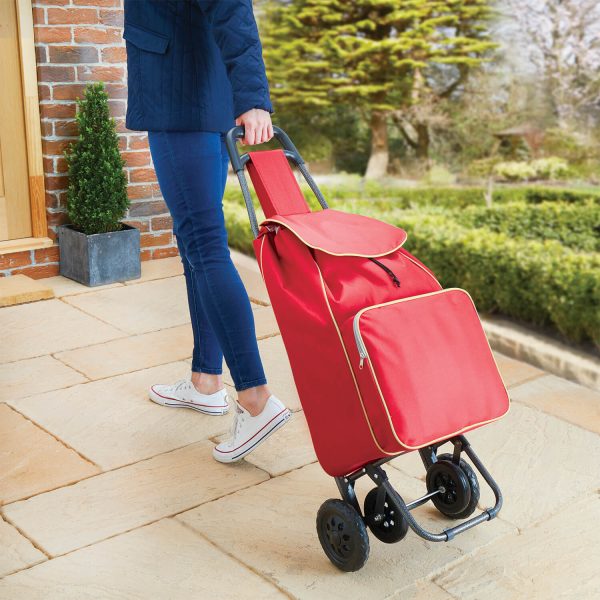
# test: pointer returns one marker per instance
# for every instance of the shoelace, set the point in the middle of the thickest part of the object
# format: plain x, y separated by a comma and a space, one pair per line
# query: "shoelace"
238, 419
181, 383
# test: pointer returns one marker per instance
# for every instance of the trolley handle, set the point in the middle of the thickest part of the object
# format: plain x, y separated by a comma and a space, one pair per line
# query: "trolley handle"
239, 161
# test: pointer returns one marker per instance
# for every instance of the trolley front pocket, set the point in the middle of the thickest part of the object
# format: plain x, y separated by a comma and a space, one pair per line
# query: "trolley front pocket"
425, 369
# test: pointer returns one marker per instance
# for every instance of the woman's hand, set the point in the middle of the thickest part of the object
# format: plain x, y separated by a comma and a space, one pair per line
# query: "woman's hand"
257, 126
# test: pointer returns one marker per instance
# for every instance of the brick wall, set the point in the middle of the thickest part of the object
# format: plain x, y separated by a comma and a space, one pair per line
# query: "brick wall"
80, 41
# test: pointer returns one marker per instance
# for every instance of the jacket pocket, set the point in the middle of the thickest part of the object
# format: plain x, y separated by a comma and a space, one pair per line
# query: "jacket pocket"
145, 39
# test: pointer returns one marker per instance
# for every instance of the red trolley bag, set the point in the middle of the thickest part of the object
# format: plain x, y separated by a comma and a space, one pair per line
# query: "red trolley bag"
384, 359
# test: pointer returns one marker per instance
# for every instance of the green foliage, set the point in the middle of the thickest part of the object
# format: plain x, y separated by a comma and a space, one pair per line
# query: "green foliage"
575, 225
97, 194
540, 169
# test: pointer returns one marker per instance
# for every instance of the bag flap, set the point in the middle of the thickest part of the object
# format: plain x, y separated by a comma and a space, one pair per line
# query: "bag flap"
145, 39
342, 233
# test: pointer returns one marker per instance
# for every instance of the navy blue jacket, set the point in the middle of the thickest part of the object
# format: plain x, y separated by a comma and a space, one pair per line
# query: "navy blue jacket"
192, 65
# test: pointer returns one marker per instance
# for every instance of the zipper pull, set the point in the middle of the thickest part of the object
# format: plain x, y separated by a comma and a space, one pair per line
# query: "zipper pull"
360, 364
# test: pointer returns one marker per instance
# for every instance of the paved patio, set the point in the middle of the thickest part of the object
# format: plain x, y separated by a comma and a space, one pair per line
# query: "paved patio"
104, 494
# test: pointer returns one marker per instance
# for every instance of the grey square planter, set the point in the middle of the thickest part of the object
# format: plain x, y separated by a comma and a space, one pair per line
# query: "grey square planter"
99, 258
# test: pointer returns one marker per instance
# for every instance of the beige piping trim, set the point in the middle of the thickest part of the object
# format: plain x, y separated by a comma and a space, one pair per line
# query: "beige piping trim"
372, 371
286, 225
260, 256
350, 368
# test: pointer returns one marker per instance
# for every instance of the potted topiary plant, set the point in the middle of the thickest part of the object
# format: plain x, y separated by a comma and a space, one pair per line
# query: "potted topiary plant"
96, 247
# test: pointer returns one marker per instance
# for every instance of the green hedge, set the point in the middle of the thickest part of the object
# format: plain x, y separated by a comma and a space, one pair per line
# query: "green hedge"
451, 197
575, 225
538, 282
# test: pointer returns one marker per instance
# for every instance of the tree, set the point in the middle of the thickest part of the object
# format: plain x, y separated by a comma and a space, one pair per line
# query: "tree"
383, 57
97, 193
560, 39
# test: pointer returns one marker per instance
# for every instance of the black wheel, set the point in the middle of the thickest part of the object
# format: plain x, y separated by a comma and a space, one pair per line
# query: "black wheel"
343, 535
460, 487
392, 527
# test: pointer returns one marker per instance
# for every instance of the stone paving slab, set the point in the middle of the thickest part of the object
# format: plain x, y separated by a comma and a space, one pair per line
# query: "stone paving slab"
113, 422
140, 308
117, 501
35, 375
264, 321
18, 289
164, 560
32, 461
30, 330
559, 558
271, 528
131, 353
568, 401
17, 551
540, 463
289, 448
63, 286
515, 372
160, 268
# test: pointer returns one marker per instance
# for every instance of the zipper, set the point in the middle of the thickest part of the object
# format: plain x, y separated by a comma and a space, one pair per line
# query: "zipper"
362, 349
388, 271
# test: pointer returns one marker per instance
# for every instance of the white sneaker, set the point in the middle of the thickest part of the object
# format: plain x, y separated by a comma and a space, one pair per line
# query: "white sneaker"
247, 432
183, 394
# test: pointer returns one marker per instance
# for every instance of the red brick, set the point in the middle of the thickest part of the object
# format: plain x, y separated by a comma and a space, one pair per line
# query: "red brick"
116, 91
139, 192
39, 16
57, 218
165, 252
73, 54
39, 272
122, 143
104, 3
120, 125
156, 239
136, 159
142, 175
47, 127
114, 54
138, 142
15, 259
52, 35
98, 35
111, 17
59, 182
58, 111
61, 166
53, 2
66, 128
44, 92
117, 108
55, 147
141, 225
148, 208
161, 223
65, 16
52, 200
53, 73
69, 91
46, 255
146, 255
41, 54
100, 73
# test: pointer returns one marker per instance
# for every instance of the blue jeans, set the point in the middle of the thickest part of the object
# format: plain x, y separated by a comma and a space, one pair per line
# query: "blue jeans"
191, 167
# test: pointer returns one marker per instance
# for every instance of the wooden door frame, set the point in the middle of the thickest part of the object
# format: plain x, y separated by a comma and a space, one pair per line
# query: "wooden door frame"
33, 135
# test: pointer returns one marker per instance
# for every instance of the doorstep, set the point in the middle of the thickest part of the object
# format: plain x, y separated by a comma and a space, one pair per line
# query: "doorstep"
18, 289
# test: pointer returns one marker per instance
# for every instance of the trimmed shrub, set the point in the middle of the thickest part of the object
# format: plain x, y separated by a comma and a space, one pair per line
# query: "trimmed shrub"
575, 225
97, 193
